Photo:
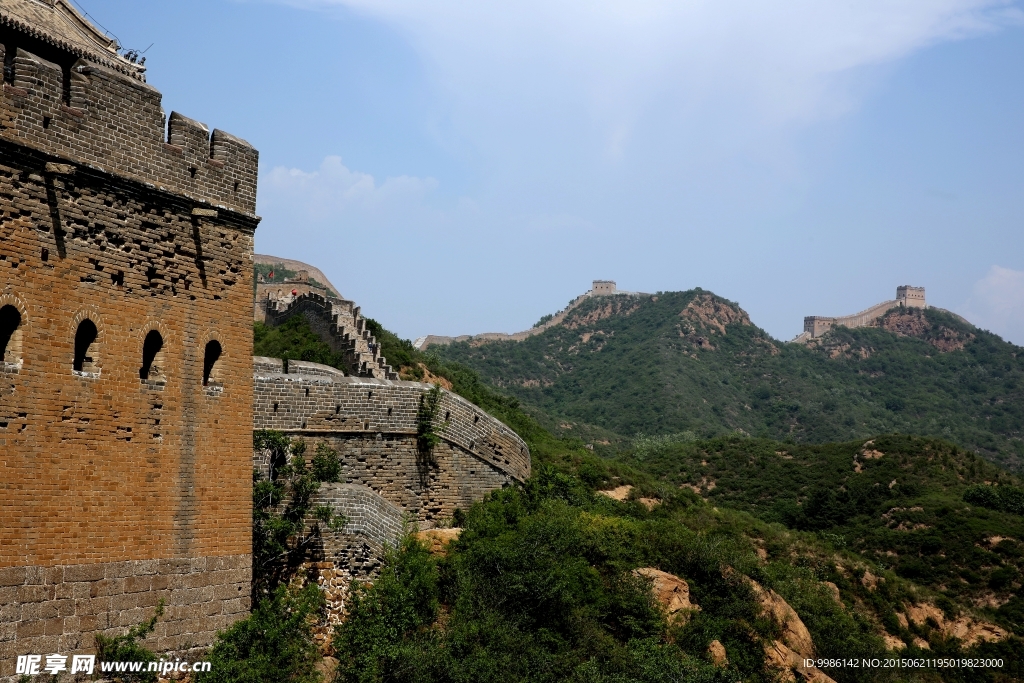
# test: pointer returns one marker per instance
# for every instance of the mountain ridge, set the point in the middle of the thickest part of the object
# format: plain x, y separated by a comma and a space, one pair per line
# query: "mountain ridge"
693, 361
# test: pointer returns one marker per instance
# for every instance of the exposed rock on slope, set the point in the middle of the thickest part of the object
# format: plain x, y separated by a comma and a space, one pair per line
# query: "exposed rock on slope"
913, 323
970, 631
795, 643
670, 591
437, 540
712, 312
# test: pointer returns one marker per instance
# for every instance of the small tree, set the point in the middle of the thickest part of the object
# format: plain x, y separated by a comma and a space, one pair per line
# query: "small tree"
427, 436
282, 502
126, 648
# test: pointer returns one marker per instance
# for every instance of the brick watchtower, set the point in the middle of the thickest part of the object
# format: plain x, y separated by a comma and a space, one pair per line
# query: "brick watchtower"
126, 379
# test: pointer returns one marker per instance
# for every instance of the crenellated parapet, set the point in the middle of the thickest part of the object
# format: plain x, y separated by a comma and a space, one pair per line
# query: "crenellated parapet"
374, 425
339, 323
817, 325
94, 116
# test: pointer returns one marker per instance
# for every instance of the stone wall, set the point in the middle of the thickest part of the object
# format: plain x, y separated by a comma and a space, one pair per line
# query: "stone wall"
125, 264
816, 325
372, 424
339, 324
60, 608
599, 288
116, 123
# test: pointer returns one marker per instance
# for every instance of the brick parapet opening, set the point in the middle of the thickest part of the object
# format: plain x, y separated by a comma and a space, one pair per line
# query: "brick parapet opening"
116, 123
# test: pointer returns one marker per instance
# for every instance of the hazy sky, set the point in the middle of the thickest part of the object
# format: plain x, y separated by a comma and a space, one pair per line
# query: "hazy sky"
461, 167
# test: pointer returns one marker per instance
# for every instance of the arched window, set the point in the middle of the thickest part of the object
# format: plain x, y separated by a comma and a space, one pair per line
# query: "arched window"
10, 335
210, 358
152, 358
84, 339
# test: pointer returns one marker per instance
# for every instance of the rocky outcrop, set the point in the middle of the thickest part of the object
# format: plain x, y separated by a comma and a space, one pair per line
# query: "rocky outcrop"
968, 630
619, 493
671, 593
437, 540
794, 634
716, 651
794, 644
914, 323
893, 643
713, 313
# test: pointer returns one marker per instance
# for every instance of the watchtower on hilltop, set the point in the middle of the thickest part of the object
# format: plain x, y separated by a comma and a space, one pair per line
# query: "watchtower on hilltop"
126, 383
910, 297
817, 325
602, 287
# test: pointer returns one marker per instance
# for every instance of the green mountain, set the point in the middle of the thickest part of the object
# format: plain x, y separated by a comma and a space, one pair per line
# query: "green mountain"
692, 362
924, 508
897, 544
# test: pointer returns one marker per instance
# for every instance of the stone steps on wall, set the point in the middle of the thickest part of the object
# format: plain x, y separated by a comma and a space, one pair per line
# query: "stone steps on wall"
339, 323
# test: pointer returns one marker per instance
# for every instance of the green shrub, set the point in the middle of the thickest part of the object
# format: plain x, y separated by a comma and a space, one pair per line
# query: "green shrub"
375, 643
275, 643
282, 502
126, 648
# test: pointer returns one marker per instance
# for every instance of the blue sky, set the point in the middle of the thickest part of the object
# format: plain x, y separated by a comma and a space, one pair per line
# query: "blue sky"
461, 167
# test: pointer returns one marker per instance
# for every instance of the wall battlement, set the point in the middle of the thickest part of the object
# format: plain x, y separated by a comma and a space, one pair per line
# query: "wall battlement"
106, 119
125, 350
339, 323
598, 288
372, 423
906, 296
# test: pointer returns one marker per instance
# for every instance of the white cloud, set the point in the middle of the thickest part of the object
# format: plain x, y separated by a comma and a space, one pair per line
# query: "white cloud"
789, 60
997, 303
334, 190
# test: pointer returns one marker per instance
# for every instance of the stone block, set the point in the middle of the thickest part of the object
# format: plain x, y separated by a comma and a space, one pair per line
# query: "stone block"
84, 572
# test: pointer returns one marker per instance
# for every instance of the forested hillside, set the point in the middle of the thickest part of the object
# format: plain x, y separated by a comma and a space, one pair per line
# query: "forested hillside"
896, 545
692, 362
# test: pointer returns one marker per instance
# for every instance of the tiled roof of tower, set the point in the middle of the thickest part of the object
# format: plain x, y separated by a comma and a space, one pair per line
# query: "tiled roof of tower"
58, 23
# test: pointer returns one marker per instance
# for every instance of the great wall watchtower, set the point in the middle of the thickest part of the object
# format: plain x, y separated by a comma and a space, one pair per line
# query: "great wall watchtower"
598, 288
906, 297
126, 387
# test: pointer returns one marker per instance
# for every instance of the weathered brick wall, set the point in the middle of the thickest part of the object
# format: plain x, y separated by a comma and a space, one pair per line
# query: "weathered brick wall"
372, 425
116, 123
118, 491
339, 324
366, 512
59, 609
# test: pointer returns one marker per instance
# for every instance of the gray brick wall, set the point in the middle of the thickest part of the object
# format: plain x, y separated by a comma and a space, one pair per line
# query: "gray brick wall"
371, 423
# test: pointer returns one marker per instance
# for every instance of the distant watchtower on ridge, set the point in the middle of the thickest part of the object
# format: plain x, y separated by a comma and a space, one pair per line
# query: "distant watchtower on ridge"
910, 297
602, 287
906, 297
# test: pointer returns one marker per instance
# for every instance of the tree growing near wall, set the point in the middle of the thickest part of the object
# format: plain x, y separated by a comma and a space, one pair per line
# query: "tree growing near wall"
427, 429
127, 648
283, 506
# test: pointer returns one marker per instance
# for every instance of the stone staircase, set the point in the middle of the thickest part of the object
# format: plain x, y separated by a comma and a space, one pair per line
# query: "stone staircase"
339, 324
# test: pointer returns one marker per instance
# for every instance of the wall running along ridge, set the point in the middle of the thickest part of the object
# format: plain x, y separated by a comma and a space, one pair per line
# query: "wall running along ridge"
387, 478
339, 324
598, 288
372, 424
119, 490
816, 325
